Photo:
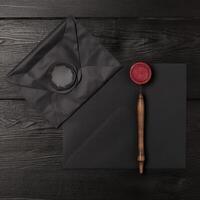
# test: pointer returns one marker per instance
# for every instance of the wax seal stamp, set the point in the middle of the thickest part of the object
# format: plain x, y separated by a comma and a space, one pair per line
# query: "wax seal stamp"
140, 74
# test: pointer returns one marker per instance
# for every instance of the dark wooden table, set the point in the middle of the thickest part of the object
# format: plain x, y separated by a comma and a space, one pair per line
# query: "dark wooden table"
31, 150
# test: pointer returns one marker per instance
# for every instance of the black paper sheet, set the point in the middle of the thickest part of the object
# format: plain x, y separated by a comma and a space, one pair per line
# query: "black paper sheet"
103, 133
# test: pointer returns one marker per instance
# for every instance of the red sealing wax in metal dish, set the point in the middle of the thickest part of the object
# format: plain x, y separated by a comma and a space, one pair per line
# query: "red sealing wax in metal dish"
140, 73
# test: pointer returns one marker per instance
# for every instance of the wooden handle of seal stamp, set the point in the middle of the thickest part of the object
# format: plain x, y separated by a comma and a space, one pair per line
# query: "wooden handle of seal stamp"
140, 122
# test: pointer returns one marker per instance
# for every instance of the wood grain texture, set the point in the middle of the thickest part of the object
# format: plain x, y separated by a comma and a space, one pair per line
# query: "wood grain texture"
90, 185
31, 150
31, 164
27, 140
96, 8
129, 40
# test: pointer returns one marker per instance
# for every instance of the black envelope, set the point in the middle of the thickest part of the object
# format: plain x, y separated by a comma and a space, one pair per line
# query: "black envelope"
72, 51
96, 102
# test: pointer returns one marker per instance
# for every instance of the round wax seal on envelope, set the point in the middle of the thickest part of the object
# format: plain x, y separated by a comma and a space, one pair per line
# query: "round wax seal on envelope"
62, 77
140, 73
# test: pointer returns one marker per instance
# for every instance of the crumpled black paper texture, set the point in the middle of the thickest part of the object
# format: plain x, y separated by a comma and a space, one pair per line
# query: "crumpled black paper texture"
70, 45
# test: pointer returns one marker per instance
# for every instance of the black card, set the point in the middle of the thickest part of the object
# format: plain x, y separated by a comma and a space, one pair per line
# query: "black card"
103, 132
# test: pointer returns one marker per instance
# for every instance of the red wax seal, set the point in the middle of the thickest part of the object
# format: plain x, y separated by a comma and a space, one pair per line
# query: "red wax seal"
140, 73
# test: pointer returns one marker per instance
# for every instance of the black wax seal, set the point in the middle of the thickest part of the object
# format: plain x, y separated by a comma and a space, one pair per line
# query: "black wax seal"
62, 76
